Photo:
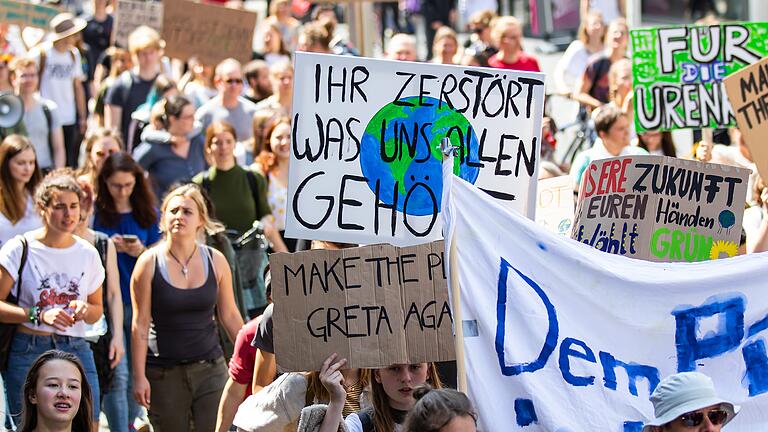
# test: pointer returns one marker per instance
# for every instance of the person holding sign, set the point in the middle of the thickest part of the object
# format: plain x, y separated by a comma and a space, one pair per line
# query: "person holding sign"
176, 287
392, 395
612, 127
686, 402
278, 406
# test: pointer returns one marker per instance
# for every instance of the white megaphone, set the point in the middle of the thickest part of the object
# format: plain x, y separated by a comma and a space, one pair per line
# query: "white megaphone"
11, 110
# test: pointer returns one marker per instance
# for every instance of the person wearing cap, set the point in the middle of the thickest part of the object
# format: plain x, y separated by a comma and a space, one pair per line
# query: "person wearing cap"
61, 79
688, 402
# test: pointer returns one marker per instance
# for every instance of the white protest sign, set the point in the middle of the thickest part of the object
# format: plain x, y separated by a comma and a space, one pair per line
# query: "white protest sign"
578, 339
366, 158
555, 204
130, 14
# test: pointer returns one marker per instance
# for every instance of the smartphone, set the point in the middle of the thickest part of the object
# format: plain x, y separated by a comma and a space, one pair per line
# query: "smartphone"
130, 238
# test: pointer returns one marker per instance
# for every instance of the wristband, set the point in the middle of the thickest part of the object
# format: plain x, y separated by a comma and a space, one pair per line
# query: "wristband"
34, 315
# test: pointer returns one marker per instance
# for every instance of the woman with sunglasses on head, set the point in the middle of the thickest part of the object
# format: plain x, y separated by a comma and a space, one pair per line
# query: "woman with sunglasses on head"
19, 175
57, 395
177, 287
59, 290
688, 402
125, 210
173, 154
392, 395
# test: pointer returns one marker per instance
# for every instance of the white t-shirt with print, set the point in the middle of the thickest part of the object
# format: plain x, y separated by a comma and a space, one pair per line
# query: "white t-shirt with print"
30, 221
54, 277
56, 81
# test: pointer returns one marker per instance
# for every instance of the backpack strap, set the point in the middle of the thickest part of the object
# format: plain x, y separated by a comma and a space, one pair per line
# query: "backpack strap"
101, 243
41, 64
24, 254
206, 183
43, 60
49, 121
253, 186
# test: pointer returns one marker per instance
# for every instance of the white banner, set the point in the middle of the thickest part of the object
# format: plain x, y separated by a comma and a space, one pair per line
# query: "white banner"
559, 336
365, 153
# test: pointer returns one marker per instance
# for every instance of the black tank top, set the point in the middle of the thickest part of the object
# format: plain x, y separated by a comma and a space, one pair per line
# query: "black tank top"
183, 329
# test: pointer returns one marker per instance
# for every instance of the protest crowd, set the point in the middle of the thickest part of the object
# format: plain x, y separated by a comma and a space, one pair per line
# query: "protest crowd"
141, 195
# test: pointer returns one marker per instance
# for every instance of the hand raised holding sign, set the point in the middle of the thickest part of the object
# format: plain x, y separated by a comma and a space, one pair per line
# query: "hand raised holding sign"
332, 379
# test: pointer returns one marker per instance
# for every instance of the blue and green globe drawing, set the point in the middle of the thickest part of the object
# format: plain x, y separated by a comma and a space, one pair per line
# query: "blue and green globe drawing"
401, 151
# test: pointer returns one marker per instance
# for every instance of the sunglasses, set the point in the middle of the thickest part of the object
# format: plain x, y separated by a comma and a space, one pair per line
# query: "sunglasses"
716, 417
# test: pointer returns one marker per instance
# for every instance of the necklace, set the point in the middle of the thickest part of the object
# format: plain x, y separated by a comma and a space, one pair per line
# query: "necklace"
185, 266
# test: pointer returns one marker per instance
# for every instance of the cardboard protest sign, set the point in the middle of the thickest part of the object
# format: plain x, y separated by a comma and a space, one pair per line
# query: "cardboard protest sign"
561, 337
366, 158
555, 203
130, 14
26, 14
678, 72
660, 208
748, 92
375, 306
210, 33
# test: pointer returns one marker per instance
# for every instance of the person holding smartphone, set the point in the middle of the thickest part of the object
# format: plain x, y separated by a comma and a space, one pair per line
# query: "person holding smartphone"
125, 210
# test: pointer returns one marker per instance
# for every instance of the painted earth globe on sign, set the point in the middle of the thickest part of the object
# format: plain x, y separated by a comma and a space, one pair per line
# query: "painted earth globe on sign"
401, 153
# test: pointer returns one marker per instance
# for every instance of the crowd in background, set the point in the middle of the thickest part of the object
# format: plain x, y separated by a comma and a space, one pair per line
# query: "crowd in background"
140, 195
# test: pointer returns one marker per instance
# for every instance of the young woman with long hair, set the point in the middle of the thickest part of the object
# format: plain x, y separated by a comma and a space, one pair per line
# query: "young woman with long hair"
57, 395
277, 407
126, 211
576, 57
273, 164
392, 395
60, 289
176, 288
19, 175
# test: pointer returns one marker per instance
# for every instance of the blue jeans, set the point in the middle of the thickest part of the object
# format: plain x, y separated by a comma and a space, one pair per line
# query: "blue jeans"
26, 348
120, 407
